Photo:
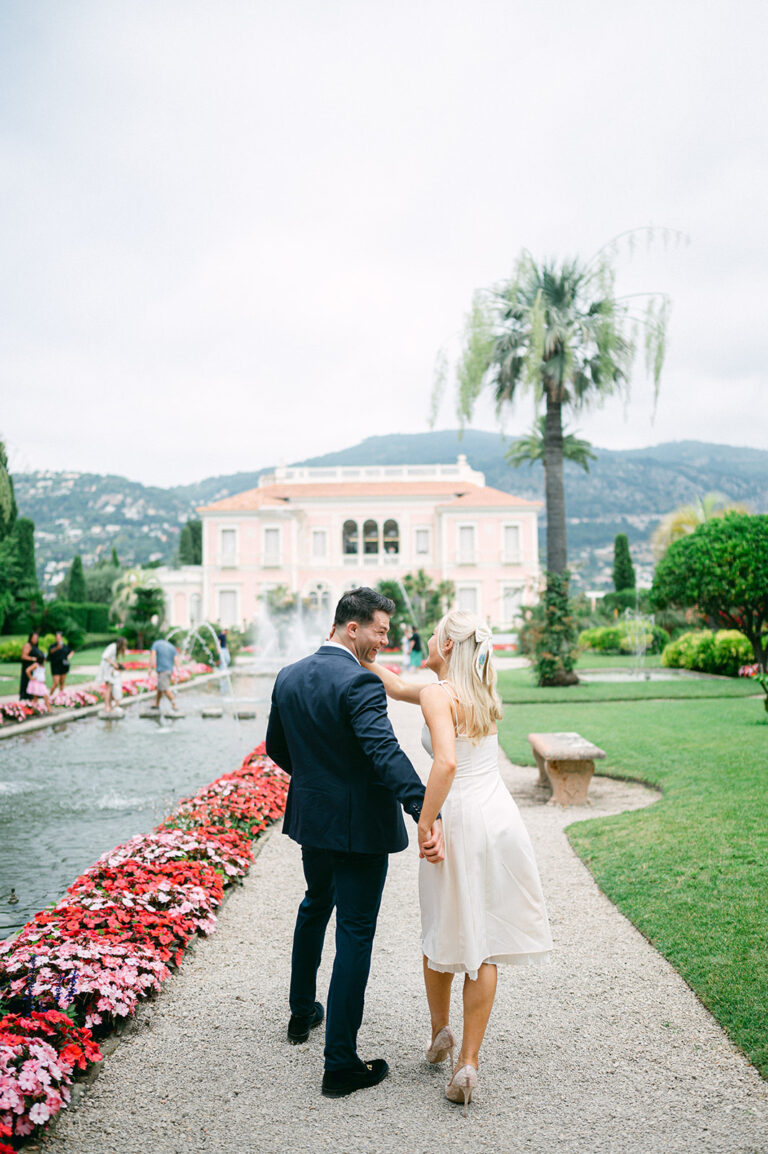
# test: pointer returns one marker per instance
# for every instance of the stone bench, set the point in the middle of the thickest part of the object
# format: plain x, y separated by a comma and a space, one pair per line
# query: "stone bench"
566, 763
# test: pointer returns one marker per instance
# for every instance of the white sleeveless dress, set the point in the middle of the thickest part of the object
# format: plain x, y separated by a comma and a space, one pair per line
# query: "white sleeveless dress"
484, 902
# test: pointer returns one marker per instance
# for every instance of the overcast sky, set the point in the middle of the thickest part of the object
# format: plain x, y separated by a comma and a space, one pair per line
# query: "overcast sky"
237, 232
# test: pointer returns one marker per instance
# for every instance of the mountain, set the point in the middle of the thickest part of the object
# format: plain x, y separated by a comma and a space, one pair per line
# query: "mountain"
625, 491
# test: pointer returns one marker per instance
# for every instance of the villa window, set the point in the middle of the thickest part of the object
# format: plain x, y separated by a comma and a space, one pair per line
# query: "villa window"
511, 603
319, 543
467, 598
228, 614
512, 543
228, 542
466, 544
422, 542
350, 538
195, 608
391, 537
271, 547
319, 597
370, 538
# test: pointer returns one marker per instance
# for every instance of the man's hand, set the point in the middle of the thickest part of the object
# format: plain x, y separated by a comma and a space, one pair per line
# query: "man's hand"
431, 843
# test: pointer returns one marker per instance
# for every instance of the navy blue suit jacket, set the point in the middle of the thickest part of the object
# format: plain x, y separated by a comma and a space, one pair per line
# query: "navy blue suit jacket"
329, 729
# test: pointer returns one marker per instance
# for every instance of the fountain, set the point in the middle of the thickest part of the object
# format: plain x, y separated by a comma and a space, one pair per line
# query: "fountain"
408, 602
285, 636
639, 627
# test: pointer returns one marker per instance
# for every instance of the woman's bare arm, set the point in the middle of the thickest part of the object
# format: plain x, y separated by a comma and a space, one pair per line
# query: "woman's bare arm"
436, 707
397, 688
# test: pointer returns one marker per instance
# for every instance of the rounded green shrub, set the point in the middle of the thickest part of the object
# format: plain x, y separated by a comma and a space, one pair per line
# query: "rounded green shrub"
732, 650
707, 652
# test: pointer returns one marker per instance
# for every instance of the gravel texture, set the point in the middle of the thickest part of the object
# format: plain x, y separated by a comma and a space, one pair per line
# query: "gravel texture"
605, 1050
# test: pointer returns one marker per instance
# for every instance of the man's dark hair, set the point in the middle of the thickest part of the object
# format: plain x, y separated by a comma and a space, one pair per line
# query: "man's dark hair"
360, 605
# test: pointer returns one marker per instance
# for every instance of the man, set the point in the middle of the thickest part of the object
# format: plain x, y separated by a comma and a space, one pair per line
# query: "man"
163, 656
58, 656
329, 729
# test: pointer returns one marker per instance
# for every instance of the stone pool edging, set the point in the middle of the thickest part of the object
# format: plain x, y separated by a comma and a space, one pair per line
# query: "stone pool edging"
146, 902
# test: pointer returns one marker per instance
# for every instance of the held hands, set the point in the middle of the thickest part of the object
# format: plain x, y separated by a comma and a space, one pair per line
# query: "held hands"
431, 843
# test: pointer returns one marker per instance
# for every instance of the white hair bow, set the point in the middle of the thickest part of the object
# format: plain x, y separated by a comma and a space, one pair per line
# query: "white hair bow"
484, 642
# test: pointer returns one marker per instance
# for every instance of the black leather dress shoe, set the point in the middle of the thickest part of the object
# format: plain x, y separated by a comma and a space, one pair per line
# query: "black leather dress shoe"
300, 1024
338, 1083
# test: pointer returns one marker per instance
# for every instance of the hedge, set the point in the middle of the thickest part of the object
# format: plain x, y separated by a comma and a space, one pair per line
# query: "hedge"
723, 652
619, 638
90, 615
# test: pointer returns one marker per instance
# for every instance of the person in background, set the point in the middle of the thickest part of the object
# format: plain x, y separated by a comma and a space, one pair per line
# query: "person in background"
225, 657
110, 670
406, 648
58, 656
416, 650
163, 656
31, 654
36, 686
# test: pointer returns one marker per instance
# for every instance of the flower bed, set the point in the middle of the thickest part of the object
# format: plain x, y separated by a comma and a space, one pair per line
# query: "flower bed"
111, 940
17, 711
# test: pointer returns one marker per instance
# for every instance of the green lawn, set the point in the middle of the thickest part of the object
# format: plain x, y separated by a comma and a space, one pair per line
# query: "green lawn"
516, 686
691, 871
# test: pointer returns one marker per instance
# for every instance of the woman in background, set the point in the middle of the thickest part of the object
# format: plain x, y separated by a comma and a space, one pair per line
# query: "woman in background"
110, 671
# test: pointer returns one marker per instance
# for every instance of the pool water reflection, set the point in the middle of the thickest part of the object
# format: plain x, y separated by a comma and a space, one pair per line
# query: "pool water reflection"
70, 793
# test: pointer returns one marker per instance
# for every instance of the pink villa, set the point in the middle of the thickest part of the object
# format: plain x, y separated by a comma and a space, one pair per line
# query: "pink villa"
321, 531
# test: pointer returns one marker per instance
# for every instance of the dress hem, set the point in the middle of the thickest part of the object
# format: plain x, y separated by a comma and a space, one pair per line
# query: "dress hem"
538, 959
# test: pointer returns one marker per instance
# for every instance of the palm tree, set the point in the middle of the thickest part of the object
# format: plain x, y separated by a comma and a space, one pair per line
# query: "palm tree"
125, 588
686, 518
561, 331
531, 448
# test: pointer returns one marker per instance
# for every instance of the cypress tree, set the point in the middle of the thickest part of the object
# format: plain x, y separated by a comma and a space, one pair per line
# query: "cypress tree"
8, 510
115, 560
623, 569
76, 581
24, 536
191, 543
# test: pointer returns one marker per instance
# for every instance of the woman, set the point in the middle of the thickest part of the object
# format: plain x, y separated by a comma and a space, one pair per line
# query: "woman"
31, 655
59, 654
416, 654
109, 672
483, 905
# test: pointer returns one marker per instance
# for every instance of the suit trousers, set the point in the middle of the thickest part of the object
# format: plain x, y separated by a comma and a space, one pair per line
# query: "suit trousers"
353, 883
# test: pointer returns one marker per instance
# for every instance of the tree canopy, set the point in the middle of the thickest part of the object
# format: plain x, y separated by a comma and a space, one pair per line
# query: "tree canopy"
528, 449
560, 330
685, 518
722, 568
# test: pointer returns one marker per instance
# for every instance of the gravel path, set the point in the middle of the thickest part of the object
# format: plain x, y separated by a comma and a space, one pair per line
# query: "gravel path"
606, 1050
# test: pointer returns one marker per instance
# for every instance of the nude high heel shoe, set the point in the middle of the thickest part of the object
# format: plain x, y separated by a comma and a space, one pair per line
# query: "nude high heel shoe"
461, 1085
443, 1045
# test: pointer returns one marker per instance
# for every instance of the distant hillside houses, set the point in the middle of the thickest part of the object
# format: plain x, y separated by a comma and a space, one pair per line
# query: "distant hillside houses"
320, 531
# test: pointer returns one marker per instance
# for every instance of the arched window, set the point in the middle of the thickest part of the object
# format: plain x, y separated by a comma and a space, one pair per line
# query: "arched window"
350, 538
370, 537
391, 537
319, 597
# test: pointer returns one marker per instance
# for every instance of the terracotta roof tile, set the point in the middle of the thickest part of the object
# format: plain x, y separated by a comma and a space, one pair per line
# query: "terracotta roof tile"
282, 494
490, 497
461, 493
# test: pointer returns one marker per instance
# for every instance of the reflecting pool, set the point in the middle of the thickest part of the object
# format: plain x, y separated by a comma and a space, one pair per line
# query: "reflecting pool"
71, 792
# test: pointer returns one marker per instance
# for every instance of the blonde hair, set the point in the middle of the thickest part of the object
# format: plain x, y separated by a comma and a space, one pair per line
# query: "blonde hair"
471, 670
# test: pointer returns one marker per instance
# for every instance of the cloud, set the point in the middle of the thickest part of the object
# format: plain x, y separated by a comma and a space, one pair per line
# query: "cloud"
241, 232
